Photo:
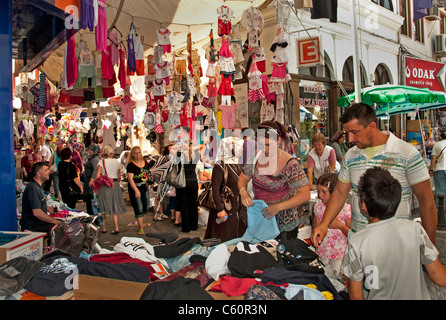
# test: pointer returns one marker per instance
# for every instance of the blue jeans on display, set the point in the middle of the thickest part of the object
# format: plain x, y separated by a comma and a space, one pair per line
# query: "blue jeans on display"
140, 205
440, 183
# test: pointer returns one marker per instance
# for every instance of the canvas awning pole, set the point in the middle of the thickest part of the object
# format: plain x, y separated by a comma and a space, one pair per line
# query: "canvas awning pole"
421, 131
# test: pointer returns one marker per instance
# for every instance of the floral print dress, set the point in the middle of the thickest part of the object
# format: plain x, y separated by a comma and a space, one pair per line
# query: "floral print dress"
334, 244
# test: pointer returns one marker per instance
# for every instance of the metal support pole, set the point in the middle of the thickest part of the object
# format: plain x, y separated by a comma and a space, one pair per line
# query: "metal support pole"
8, 214
356, 60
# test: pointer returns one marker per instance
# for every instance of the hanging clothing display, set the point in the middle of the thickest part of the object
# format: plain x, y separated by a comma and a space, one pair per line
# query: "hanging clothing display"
70, 61
255, 84
106, 64
163, 40
101, 27
122, 74
87, 14
225, 14
113, 37
131, 59
139, 56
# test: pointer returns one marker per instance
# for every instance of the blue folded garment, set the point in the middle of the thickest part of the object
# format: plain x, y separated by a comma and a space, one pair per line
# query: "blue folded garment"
259, 228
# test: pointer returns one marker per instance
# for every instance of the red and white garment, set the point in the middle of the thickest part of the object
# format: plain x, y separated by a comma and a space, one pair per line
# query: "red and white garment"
225, 14
163, 72
255, 84
163, 39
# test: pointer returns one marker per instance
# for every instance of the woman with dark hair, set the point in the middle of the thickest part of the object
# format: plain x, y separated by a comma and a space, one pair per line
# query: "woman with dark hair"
277, 178
69, 179
90, 170
186, 197
339, 145
224, 179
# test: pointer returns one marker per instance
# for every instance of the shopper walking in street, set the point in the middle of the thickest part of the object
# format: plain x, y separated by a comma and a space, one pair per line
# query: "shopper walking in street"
187, 197
277, 178
376, 148
232, 213
437, 168
18, 156
110, 198
139, 178
90, 172
321, 159
55, 175
71, 187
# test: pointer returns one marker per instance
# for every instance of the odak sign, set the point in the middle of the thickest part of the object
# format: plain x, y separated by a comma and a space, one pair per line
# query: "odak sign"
425, 74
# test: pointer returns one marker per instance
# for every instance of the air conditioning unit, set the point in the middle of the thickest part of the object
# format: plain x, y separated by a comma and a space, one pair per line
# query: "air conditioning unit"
440, 44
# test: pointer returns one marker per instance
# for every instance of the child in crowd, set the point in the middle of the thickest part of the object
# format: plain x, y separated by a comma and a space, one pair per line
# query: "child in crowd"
385, 260
331, 250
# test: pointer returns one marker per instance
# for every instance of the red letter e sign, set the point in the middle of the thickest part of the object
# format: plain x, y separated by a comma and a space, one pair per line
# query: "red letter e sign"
308, 52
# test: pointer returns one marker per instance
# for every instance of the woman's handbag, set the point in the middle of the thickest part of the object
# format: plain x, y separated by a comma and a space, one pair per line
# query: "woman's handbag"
176, 179
206, 200
103, 180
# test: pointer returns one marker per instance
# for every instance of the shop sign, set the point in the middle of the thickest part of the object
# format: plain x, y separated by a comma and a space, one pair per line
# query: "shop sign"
425, 74
313, 94
309, 52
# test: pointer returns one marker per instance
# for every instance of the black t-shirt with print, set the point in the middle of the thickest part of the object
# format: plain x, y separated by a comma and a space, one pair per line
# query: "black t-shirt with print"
140, 174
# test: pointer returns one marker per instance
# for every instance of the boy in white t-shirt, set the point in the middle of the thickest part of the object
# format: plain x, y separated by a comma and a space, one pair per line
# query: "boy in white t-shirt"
385, 260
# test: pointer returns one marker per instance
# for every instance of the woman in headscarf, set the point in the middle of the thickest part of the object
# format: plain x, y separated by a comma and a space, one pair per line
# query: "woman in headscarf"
90, 170
231, 212
277, 178
339, 145
76, 158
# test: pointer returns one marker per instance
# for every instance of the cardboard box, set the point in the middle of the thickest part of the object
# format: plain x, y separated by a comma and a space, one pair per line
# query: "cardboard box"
98, 288
27, 244
414, 125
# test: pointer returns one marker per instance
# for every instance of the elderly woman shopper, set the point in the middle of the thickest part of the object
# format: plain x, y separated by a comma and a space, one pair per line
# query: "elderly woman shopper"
321, 159
69, 179
277, 178
90, 171
110, 198
231, 212
339, 145
139, 178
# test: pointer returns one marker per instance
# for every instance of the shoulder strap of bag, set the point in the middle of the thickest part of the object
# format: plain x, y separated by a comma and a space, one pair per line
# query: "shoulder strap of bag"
436, 160
105, 170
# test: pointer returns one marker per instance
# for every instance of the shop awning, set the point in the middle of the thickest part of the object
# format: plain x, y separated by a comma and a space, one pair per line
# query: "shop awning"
397, 99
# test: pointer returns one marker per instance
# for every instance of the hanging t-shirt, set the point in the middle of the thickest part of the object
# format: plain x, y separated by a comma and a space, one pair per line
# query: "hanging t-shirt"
127, 115
229, 115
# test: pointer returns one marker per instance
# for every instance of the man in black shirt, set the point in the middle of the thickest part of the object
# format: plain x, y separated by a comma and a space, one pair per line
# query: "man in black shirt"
34, 209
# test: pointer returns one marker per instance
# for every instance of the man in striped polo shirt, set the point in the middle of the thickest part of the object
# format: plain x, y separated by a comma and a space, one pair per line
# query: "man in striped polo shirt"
374, 147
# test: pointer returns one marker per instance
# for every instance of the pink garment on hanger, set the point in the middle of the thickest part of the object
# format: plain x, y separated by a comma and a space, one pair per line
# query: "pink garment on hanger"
114, 48
71, 61
106, 64
224, 50
122, 74
229, 115
101, 27
127, 115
